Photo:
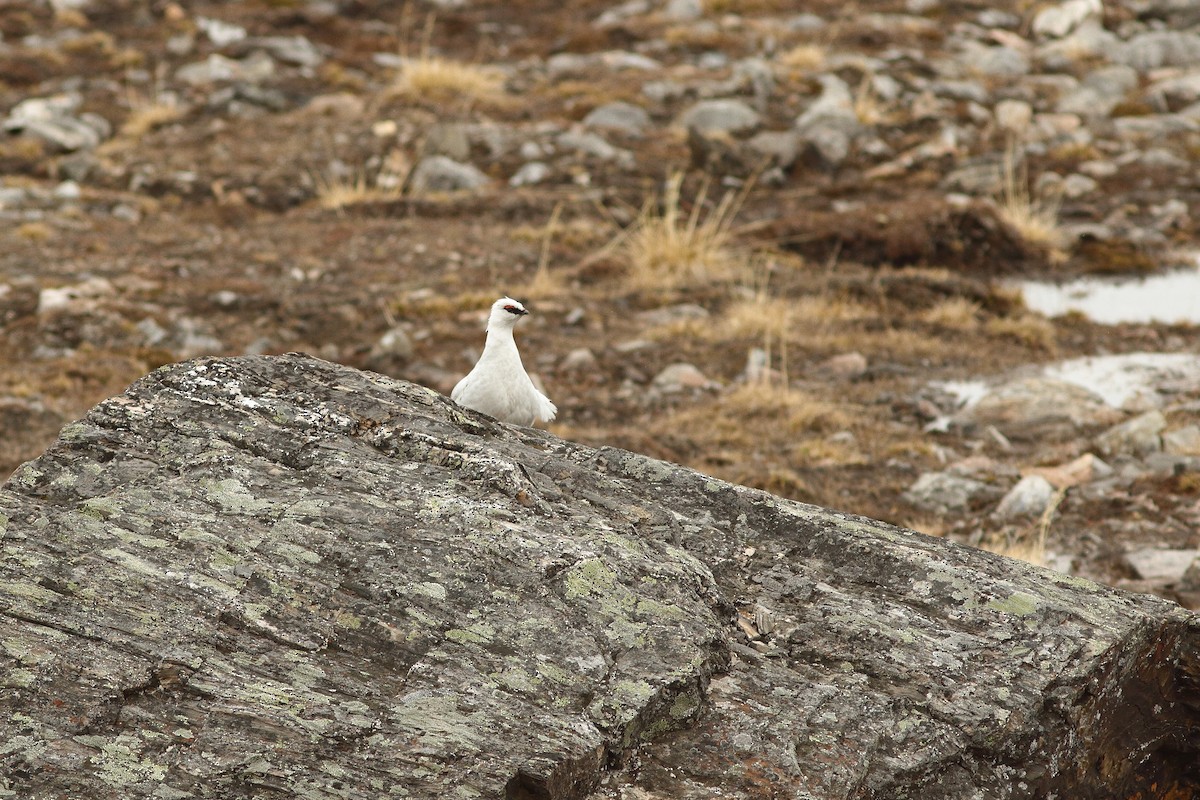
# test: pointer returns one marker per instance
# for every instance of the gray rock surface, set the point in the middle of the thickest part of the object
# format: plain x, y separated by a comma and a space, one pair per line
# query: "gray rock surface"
723, 115
1031, 496
443, 174
944, 491
621, 116
278, 576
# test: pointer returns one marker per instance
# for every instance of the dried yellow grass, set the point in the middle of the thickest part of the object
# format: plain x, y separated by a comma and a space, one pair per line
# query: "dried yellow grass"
1028, 329
955, 313
762, 316
148, 115
335, 192
789, 411
869, 108
433, 77
805, 57
668, 247
1035, 219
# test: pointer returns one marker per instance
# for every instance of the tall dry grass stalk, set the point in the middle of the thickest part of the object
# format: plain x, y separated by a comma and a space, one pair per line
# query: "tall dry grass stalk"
1030, 546
1035, 219
544, 281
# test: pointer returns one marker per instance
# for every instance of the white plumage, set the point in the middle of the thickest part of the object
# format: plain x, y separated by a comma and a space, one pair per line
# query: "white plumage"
499, 385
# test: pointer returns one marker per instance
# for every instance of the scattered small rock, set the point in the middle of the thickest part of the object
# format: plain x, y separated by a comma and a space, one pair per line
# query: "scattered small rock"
1082, 470
942, 492
442, 174
1038, 408
1030, 497
581, 359
680, 377
1161, 565
530, 174
667, 315
1059, 20
723, 116
1182, 442
624, 117
844, 366
1136, 437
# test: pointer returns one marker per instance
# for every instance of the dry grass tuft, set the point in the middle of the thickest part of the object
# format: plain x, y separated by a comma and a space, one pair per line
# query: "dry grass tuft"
1034, 219
432, 77
35, 231
545, 282
789, 412
804, 58
868, 106
336, 191
954, 313
764, 316
1030, 330
669, 247
148, 115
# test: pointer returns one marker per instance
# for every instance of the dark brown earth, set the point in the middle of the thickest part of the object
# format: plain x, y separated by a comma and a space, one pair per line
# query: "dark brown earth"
220, 231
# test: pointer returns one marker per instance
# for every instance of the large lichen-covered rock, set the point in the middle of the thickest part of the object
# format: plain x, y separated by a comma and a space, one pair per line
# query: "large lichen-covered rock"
275, 576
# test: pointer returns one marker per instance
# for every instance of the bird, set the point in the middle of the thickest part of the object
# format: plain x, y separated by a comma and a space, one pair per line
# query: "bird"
498, 385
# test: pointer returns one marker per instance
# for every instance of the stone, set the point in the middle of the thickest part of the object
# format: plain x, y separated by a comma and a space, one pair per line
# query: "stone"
219, 32
1075, 186
593, 145
1136, 437
530, 174
668, 315
1030, 497
1183, 441
943, 492
296, 50
1154, 564
780, 147
581, 359
217, 68
720, 116
830, 124
442, 174
683, 10
1155, 49
1172, 94
624, 117
391, 352
681, 377
52, 119
845, 366
1058, 20
323, 578
1084, 469
1030, 409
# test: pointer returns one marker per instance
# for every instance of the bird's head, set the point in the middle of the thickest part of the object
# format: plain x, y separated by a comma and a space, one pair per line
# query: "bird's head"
506, 312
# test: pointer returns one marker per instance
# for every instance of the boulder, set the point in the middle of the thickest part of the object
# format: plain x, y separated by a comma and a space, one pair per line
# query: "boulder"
279, 576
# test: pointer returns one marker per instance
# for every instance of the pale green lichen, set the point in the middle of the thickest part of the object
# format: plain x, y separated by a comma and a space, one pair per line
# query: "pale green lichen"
427, 589
233, 497
590, 577
1018, 603
684, 706
479, 633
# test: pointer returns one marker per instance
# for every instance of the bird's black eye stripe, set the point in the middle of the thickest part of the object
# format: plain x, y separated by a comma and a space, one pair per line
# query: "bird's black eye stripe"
512, 309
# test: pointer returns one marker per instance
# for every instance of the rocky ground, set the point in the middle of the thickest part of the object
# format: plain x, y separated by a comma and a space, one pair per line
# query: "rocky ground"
773, 245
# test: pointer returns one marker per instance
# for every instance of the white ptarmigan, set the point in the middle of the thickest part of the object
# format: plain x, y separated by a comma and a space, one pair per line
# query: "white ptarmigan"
499, 385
